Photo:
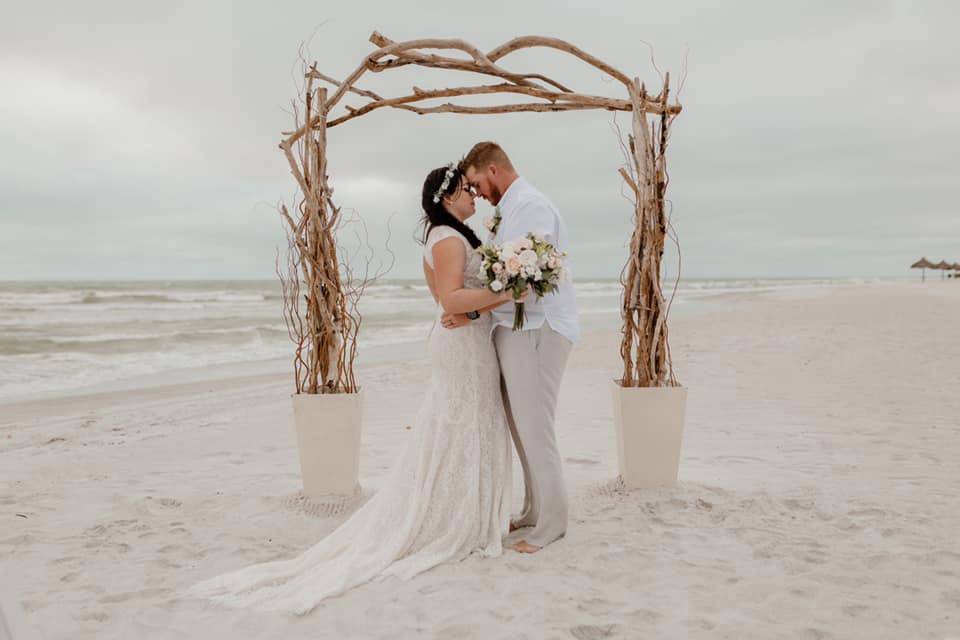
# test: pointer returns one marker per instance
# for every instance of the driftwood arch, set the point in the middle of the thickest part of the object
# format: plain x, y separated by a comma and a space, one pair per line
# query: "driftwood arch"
325, 329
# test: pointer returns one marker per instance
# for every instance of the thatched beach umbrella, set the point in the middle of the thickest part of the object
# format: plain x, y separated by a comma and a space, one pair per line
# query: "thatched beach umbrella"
944, 266
924, 264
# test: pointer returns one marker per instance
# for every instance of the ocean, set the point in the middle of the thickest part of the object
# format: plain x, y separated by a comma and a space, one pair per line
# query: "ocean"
68, 335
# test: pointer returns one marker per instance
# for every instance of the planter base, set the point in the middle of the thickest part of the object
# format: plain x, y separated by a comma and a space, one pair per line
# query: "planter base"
649, 427
328, 440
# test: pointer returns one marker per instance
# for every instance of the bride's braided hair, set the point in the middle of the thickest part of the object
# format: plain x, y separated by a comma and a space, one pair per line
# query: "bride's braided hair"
435, 214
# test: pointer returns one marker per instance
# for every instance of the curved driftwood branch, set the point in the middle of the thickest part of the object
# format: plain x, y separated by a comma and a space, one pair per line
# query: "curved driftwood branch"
527, 42
444, 62
540, 107
320, 76
391, 47
584, 101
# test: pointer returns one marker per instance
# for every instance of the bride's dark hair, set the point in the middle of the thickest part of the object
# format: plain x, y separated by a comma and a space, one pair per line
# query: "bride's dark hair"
435, 214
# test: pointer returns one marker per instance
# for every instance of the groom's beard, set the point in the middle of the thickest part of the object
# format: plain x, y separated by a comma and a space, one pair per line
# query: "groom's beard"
495, 194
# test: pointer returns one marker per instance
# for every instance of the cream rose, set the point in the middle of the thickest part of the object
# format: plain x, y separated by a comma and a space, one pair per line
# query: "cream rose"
528, 258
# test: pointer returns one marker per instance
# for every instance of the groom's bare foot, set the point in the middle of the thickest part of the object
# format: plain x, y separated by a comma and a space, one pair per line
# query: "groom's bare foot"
525, 547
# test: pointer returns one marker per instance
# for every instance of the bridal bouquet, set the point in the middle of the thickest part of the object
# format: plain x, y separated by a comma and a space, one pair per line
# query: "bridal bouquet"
514, 266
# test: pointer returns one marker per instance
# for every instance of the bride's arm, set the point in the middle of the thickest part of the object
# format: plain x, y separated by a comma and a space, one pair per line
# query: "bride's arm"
449, 258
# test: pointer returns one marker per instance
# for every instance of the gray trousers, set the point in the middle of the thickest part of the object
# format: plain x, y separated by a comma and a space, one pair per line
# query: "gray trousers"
531, 367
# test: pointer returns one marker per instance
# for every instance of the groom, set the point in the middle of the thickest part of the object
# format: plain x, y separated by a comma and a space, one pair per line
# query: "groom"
531, 360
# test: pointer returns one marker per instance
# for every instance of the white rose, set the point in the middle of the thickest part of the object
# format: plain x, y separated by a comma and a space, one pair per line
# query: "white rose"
525, 243
507, 248
553, 262
497, 267
537, 275
496, 286
528, 258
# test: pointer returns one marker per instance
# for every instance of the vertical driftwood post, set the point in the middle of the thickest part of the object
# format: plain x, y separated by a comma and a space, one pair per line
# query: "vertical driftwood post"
644, 349
324, 331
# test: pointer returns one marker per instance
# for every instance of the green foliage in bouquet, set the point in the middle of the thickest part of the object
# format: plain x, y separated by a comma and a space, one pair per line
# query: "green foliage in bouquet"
530, 262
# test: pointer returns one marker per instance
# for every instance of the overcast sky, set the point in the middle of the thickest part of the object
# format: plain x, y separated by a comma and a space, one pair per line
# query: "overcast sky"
138, 139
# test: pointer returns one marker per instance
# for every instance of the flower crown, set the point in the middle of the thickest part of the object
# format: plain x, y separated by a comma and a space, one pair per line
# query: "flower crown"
447, 177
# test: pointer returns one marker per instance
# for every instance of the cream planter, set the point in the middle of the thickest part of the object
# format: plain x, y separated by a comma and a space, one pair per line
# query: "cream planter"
649, 425
328, 437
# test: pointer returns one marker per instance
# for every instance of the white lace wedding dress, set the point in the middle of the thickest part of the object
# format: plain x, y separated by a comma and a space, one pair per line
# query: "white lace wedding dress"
447, 496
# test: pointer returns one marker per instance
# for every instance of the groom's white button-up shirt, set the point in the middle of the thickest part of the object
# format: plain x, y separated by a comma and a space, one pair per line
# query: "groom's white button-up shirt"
523, 210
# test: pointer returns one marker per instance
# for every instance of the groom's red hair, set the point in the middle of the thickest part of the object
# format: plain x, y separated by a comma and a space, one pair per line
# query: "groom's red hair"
484, 154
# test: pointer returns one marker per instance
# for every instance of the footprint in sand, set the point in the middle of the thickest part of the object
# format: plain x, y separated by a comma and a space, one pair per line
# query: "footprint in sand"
854, 610
594, 632
798, 504
736, 459
95, 616
704, 624
433, 588
130, 595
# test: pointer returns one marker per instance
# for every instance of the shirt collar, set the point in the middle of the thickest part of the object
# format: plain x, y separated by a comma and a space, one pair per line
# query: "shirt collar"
510, 196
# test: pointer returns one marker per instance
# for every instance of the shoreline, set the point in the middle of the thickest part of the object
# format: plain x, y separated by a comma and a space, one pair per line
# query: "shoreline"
171, 381
57, 348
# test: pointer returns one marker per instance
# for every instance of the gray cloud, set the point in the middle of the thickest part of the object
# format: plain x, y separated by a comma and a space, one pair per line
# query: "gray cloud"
139, 140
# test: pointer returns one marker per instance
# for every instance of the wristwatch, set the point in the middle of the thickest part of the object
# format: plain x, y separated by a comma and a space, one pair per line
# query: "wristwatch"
473, 315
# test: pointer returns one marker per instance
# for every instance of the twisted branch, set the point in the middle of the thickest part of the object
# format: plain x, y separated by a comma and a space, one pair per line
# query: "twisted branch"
392, 55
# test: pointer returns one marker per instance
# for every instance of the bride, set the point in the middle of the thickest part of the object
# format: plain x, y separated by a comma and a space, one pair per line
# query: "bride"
448, 495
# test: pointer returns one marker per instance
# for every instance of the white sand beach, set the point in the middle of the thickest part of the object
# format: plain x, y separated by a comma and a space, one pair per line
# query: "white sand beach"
818, 493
